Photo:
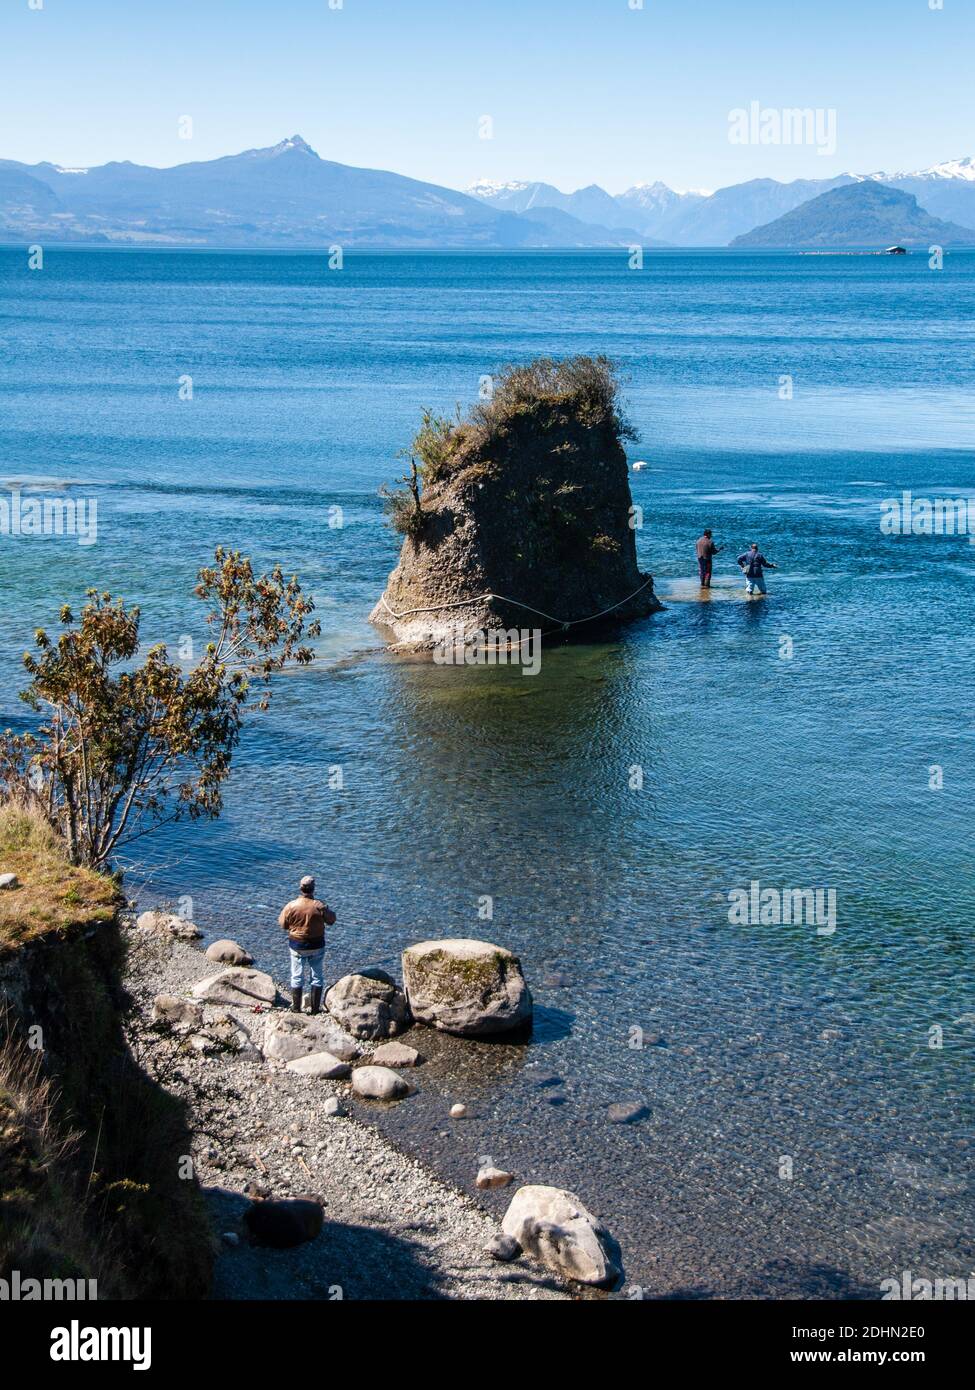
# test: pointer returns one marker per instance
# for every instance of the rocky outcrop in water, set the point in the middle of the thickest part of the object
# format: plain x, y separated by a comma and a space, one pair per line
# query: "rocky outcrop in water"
525, 515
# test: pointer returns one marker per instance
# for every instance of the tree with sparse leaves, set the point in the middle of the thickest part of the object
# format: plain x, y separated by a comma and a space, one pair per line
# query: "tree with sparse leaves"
126, 746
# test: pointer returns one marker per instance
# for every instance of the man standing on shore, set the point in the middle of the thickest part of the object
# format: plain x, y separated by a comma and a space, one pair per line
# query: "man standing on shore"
752, 564
305, 920
706, 550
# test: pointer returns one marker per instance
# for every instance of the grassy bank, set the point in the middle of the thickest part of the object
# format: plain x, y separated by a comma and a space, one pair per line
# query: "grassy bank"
53, 895
94, 1181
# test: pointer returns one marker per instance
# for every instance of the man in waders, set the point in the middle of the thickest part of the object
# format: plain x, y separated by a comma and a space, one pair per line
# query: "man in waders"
752, 564
305, 920
706, 551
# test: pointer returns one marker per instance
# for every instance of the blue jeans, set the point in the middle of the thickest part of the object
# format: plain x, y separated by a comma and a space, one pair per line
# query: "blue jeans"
314, 959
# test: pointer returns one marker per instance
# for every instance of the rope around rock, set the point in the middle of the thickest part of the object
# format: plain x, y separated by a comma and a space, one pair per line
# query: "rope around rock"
564, 623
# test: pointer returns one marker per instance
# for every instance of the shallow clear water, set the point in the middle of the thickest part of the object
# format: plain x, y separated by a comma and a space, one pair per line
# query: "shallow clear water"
809, 772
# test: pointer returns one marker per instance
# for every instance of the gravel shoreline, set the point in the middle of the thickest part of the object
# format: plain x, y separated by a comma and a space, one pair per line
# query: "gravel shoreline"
393, 1229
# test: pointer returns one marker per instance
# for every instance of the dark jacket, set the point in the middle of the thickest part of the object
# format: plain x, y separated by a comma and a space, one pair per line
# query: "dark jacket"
752, 562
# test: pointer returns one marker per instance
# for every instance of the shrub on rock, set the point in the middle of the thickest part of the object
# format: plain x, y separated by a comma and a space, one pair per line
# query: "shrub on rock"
524, 501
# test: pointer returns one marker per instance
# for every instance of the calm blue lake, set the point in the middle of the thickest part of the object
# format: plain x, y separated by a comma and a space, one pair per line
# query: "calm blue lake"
809, 1095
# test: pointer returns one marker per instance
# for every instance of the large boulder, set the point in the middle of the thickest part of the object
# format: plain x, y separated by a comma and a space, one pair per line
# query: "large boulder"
379, 1083
228, 953
555, 1228
525, 506
468, 987
237, 986
395, 1054
369, 1004
287, 1036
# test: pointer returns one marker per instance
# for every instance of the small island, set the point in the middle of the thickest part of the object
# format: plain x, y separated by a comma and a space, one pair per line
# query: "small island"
518, 514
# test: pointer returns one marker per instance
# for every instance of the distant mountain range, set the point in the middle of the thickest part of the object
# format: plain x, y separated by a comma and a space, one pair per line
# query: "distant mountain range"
700, 218
286, 196
865, 214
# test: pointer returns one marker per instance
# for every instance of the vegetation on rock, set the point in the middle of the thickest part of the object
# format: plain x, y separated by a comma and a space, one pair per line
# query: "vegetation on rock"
579, 390
519, 510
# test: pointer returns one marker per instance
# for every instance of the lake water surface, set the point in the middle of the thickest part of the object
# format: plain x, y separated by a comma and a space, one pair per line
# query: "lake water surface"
805, 1133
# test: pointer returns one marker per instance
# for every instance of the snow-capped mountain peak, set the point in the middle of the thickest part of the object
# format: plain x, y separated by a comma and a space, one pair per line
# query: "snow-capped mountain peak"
495, 188
294, 142
962, 169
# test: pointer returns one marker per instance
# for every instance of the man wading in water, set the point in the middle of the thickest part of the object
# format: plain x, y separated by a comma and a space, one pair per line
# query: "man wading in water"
305, 920
706, 551
751, 565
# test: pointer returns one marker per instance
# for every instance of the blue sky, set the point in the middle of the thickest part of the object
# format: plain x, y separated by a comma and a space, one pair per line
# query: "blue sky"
579, 91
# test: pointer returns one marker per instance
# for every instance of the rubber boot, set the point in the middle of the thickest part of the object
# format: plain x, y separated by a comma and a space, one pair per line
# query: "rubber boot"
316, 1000
296, 1001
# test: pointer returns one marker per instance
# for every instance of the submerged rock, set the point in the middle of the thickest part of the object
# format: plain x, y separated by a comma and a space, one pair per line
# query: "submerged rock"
369, 1004
626, 1112
555, 1228
525, 506
468, 987
396, 1054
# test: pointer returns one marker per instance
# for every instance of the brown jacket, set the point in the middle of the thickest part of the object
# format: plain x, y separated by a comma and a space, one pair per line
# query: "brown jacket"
305, 919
